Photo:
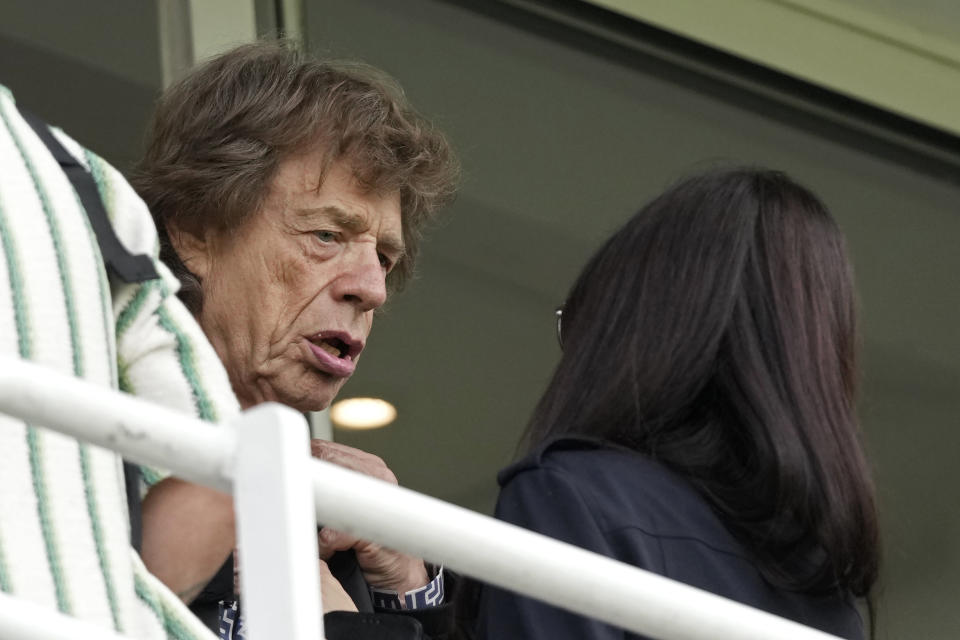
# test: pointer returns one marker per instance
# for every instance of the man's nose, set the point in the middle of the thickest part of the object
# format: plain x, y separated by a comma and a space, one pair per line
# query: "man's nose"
363, 282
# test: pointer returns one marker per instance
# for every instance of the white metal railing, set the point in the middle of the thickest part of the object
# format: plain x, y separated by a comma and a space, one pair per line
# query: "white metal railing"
24, 620
264, 460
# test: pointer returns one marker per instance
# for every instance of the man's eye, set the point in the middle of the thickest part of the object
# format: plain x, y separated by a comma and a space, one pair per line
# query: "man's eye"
385, 262
325, 236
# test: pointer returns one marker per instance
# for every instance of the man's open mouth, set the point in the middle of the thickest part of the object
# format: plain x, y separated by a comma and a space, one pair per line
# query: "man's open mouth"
334, 352
334, 346
337, 344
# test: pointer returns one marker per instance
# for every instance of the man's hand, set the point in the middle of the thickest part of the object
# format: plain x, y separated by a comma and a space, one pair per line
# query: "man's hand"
381, 567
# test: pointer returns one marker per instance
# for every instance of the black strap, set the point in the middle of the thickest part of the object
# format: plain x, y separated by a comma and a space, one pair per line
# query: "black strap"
131, 480
120, 262
344, 567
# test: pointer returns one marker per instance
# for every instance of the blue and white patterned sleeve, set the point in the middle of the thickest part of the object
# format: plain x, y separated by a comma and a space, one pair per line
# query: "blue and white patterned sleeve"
429, 595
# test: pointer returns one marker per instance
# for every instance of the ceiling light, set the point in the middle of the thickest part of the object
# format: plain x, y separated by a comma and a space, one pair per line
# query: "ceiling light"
362, 413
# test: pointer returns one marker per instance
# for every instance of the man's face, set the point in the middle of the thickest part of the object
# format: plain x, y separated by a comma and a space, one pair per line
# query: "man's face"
288, 299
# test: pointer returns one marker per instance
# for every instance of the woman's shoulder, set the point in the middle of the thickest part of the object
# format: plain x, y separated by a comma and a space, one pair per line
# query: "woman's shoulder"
594, 460
651, 516
621, 487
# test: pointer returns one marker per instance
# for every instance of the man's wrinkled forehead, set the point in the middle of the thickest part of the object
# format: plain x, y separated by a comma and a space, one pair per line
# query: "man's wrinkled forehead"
302, 184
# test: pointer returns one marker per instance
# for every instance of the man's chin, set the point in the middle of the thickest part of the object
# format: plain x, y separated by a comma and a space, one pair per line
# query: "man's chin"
315, 398
311, 405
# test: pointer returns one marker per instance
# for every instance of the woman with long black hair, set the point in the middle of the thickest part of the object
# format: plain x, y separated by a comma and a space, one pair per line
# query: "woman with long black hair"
701, 422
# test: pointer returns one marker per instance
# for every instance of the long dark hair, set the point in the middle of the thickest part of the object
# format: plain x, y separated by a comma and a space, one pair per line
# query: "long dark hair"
716, 333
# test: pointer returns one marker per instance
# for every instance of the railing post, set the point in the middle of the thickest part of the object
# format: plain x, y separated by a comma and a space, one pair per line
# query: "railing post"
276, 526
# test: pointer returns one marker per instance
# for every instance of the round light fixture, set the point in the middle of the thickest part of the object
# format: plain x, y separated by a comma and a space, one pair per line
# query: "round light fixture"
362, 413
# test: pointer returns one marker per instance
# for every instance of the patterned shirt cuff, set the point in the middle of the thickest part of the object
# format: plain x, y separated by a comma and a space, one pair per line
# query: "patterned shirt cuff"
430, 595
230, 625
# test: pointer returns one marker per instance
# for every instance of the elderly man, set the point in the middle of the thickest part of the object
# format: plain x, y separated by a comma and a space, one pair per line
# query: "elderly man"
290, 194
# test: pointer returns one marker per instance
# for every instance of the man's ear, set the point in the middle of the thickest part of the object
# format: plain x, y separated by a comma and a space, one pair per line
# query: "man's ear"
192, 247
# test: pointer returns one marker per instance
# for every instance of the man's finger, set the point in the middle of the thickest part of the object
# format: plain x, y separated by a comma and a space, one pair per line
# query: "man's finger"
352, 458
330, 541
